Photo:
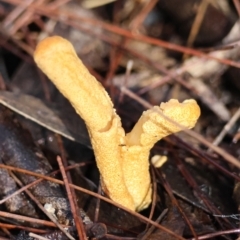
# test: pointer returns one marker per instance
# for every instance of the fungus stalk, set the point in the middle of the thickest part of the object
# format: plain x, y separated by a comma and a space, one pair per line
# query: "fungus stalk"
121, 159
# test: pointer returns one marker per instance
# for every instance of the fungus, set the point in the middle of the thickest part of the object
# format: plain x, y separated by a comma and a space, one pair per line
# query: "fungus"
121, 159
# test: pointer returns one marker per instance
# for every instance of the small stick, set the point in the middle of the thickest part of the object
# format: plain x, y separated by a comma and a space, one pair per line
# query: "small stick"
226, 128
82, 234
